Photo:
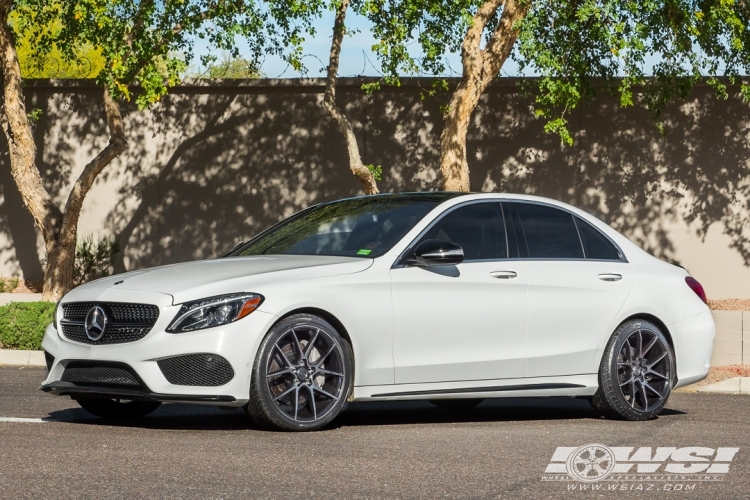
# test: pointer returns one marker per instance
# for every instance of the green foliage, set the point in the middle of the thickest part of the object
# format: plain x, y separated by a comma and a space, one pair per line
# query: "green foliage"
22, 324
7, 286
651, 51
151, 43
376, 171
227, 67
86, 62
94, 258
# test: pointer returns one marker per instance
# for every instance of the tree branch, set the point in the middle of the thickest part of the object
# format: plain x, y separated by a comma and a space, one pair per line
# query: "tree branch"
15, 123
117, 144
329, 102
471, 53
503, 38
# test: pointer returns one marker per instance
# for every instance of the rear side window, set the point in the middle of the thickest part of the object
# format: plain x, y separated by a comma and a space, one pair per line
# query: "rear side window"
549, 233
478, 228
597, 246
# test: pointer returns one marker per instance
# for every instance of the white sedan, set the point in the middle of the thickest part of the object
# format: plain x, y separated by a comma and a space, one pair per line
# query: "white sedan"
447, 297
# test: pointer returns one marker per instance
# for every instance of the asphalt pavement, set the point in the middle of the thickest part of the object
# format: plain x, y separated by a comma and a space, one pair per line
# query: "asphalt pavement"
501, 449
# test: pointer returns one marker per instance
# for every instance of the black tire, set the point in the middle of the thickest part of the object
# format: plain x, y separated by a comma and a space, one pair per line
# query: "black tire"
456, 404
302, 376
637, 372
118, 409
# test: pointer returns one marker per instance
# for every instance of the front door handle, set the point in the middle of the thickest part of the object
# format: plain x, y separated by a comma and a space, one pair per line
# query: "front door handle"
610, 277
504, 275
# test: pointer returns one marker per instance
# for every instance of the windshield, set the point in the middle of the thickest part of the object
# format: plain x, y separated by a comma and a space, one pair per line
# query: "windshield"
359, 227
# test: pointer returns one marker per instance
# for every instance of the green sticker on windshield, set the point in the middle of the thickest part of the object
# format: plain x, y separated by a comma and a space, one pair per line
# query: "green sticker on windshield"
364, 251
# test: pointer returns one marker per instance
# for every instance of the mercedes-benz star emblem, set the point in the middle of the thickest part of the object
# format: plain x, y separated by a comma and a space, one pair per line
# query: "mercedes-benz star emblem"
96, 323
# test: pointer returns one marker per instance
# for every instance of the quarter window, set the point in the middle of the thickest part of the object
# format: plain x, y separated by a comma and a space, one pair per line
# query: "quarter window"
597, 246
549, 233
478, 228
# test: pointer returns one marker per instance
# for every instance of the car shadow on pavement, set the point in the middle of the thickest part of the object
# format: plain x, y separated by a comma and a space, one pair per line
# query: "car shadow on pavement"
188, 417
491, 410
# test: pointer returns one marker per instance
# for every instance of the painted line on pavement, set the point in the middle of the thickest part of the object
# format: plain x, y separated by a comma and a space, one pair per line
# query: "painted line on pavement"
32, 420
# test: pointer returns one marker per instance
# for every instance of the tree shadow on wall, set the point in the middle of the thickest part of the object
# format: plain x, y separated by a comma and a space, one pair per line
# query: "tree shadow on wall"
621, 169
226, 166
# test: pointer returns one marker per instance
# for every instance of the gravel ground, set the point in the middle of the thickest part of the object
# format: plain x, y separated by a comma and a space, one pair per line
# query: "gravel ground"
717, 374
730, 305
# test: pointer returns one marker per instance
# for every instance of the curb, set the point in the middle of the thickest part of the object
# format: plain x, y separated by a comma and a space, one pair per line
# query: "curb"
10, 357
735, 385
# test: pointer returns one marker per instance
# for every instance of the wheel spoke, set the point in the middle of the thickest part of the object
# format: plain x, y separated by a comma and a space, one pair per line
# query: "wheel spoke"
632, 392
311, 344
649, 346
284, 393
299, 346
296, 401
663, 355
312, 401
645, 397
279, 372
325, 393
653, 372
627, 381
329, 372
658, 394
640, 344
283, 356
324, 356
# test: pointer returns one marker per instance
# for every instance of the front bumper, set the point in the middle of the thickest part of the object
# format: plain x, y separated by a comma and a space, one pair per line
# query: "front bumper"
236, 342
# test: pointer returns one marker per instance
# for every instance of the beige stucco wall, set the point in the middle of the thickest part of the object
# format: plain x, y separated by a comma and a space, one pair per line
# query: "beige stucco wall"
212, 165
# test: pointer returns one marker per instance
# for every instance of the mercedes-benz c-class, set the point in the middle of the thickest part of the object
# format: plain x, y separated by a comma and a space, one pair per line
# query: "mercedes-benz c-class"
447, 297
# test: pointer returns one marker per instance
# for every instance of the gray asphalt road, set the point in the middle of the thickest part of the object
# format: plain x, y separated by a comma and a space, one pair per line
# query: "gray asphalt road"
376, 450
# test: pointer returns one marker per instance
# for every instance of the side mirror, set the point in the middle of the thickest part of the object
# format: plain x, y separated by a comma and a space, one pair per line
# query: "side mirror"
438, 253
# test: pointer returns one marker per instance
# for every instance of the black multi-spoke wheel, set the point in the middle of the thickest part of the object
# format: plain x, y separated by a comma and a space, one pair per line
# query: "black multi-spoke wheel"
117, 408
302, 375
637, 372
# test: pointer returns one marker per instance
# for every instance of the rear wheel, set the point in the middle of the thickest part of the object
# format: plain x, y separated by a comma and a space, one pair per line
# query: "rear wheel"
302, 377
118, 408
456, 404
636, 373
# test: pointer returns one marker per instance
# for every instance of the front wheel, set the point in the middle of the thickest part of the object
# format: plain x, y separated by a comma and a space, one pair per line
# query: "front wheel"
636, 373
302, 377
118, 408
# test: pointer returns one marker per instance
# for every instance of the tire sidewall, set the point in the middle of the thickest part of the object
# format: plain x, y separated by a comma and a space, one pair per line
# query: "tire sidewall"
275, 417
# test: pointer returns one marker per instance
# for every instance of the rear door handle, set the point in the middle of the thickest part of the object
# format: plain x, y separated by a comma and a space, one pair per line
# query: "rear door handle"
504, 275
610, 277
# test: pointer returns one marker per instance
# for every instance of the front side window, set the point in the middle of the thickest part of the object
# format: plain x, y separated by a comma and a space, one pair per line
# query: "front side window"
359, 227
549, 233
478, 228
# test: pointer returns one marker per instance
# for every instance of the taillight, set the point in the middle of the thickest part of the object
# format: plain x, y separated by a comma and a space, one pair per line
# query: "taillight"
697, 288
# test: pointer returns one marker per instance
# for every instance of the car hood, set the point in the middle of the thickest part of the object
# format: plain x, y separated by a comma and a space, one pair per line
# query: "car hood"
206, 278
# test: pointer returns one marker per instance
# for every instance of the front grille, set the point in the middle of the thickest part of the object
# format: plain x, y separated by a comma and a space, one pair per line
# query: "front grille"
99, 373
125, 322
197, 369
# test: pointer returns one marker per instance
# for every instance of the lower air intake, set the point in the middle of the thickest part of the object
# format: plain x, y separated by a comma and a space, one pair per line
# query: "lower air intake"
206, 370
95, 373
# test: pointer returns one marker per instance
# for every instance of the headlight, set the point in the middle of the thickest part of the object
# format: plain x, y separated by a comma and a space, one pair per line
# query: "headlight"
214, 311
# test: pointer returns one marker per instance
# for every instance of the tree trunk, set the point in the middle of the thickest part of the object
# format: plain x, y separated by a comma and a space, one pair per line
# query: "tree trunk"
58, 275
355, 159
59, 229
480, 67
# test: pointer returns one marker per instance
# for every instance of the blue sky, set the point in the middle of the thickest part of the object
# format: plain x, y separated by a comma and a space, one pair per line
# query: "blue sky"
357, 58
